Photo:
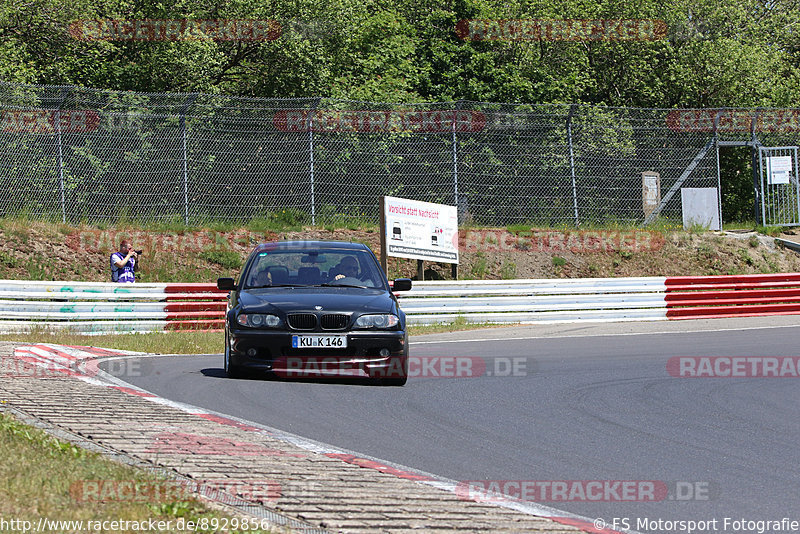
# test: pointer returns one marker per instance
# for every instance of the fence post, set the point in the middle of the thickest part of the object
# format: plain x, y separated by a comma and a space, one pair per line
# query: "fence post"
572, 163
60, 162
719, 176
184, 109
758, 173
311, 159
455, 154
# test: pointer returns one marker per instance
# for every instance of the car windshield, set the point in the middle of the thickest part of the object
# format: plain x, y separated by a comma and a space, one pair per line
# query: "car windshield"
318, 267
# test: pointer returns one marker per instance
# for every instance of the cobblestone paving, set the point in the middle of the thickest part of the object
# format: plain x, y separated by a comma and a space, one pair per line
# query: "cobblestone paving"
318, 490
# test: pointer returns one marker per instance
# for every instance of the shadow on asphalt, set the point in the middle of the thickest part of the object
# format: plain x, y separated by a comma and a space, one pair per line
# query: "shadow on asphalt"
265, 376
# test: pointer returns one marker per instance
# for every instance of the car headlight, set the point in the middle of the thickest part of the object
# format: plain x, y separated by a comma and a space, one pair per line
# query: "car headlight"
258, 320
382, 320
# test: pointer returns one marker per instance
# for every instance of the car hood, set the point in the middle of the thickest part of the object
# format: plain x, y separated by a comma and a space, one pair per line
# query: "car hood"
331, 299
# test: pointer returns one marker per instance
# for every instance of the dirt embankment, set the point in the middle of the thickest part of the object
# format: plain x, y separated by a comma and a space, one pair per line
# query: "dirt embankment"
42, 251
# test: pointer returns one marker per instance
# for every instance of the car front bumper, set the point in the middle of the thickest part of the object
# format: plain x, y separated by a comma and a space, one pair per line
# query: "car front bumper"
368, 353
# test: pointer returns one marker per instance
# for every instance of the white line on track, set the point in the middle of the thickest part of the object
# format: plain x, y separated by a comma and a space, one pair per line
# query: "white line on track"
558, 336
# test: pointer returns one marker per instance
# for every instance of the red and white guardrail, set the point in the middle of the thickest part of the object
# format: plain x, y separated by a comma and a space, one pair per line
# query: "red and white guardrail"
88, 307
95, 308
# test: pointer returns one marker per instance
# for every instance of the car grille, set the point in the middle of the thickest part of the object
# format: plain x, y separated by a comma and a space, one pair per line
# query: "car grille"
334, 321
302, 321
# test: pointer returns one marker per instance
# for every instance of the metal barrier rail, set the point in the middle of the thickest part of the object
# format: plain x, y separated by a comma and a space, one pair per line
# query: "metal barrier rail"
98, 308
536, 301
87, 307
91, 308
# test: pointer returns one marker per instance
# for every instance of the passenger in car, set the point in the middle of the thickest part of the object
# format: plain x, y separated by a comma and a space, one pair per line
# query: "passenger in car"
263, 278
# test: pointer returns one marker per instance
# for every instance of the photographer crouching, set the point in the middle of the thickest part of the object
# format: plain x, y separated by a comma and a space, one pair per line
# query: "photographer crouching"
123, 263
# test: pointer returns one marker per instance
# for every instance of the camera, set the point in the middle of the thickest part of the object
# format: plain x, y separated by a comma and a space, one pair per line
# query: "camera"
138, 252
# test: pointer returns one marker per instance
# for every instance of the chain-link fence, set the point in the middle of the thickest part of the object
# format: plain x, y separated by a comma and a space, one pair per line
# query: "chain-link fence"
69, 153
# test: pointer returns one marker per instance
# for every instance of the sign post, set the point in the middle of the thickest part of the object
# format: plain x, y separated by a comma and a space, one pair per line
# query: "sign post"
384, 263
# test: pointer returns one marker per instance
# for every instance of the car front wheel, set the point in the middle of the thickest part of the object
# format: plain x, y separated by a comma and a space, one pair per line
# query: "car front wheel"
232, 371
395, 375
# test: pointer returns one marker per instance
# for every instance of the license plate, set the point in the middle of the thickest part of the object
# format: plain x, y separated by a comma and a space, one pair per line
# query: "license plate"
319, 342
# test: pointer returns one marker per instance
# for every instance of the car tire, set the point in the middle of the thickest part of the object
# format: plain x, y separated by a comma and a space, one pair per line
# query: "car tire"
232, 371
396, 381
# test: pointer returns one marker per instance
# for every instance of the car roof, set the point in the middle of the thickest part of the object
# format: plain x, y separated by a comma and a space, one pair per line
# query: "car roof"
309, 245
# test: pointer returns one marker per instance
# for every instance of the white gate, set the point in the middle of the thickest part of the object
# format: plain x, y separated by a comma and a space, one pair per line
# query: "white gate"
780, 198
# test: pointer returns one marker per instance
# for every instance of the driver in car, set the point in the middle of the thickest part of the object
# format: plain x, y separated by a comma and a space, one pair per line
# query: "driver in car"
347, 267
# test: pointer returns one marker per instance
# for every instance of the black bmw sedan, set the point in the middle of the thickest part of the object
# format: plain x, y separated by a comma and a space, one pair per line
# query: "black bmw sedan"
315, 309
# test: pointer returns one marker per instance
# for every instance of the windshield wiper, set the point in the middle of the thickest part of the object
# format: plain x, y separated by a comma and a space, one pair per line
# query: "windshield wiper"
274, 285
341, 285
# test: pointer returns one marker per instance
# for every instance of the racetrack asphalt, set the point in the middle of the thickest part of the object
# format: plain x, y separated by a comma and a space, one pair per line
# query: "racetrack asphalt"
587, 402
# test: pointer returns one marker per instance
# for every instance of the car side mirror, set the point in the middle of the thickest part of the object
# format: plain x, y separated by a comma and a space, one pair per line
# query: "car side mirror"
226, 284
401, 284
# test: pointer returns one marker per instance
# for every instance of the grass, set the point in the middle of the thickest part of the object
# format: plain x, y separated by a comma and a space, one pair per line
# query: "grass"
198, 342
458, 325
47, 478
225, 258
772, 231
697, 229
661, 225
293, 219
478, 269
8, 260
176, 252
746, 258
508, 271
283, 220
